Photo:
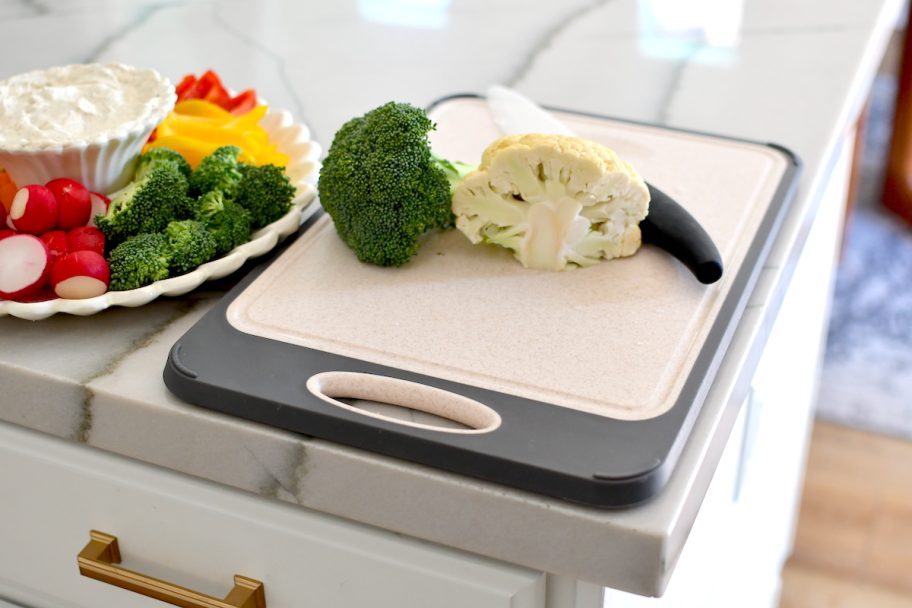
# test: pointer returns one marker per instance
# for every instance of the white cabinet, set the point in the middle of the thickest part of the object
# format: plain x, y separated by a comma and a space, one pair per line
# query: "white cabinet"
781, 409
198, 535
743, 534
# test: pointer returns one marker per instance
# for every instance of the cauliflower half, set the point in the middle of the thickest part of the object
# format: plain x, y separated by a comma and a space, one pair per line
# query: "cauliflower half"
554, 200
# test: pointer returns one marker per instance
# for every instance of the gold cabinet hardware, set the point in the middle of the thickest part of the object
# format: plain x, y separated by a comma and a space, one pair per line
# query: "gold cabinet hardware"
98, 558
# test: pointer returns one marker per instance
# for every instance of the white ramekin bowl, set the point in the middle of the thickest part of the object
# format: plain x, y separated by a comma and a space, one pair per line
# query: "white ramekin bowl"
103, 162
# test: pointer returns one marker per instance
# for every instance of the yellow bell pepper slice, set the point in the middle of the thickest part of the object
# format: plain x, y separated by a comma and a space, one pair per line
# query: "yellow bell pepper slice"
194, 150
200, 107
196, 128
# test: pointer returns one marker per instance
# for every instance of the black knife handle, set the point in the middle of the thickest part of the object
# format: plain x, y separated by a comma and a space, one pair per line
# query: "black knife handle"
671, 227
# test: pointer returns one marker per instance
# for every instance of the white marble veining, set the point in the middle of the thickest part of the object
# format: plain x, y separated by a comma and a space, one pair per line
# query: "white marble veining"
776, 70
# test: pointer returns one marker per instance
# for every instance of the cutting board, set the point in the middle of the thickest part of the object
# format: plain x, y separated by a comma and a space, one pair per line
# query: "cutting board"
580, 384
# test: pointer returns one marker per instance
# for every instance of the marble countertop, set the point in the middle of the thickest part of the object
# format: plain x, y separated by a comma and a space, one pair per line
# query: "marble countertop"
794, 73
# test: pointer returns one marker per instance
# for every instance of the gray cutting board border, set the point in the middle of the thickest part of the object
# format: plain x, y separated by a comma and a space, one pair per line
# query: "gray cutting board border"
542, 448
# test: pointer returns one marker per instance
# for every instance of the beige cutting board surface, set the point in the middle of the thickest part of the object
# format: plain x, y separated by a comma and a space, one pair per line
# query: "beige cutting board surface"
617, 339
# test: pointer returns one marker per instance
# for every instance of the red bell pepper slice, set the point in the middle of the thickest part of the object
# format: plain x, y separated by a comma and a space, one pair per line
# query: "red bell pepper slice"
197, 90
209, 87
242, 102
204, 86
186, 82
218, 96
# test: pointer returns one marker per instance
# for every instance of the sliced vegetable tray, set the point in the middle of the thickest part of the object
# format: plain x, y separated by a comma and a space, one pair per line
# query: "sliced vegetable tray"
291, 139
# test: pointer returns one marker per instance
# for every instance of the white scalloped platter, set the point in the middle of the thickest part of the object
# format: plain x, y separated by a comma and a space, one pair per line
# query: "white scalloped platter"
291, 139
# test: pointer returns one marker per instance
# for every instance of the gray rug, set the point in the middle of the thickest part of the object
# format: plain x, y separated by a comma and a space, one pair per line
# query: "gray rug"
867, 373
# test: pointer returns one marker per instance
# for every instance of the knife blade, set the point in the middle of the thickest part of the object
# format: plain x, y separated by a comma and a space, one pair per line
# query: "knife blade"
668, 225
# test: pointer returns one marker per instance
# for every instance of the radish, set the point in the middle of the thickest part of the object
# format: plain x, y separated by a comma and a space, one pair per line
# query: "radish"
73, 202
86, 238
80, 275
43, 294
34, 210
5, 232
24, 264
100, 204
56, 241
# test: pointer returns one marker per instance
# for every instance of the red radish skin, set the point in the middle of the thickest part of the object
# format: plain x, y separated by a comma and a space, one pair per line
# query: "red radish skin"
86, 238
34, 210
73, 203
100, 204
3, 214
5, 232
24, 265
56, 241
80, 275
43, 294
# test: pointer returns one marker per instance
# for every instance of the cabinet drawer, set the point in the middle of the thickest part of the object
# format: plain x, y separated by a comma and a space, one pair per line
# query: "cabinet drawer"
199, 535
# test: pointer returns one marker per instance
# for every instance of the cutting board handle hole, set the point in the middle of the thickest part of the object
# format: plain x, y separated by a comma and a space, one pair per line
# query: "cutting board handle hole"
403, 402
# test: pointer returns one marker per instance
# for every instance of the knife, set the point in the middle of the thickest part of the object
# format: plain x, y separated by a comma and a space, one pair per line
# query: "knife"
668, 225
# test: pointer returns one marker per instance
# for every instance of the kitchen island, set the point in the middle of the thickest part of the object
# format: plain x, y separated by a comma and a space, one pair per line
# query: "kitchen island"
87, 393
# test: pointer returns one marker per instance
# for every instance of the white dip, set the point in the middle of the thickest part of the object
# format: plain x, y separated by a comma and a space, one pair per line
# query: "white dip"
81, 103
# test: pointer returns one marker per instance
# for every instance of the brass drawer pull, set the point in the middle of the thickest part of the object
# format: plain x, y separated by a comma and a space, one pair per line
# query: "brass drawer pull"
97, 560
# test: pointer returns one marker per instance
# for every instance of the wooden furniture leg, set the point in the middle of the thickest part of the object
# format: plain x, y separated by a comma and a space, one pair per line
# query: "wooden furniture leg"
855, 171
897, 195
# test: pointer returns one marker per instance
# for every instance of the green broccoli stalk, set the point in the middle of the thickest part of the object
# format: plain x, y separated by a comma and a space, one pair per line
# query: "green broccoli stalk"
265, 192
191, 245
384, 187
218, 171
138, 261
146, 204
156, 156
228, 222
455, 170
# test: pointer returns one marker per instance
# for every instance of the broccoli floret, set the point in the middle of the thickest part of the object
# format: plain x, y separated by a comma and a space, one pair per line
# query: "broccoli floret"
384, 187
218, 171
138, 261
146, 204
228, 222
264, 191
156, 156
191, 244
